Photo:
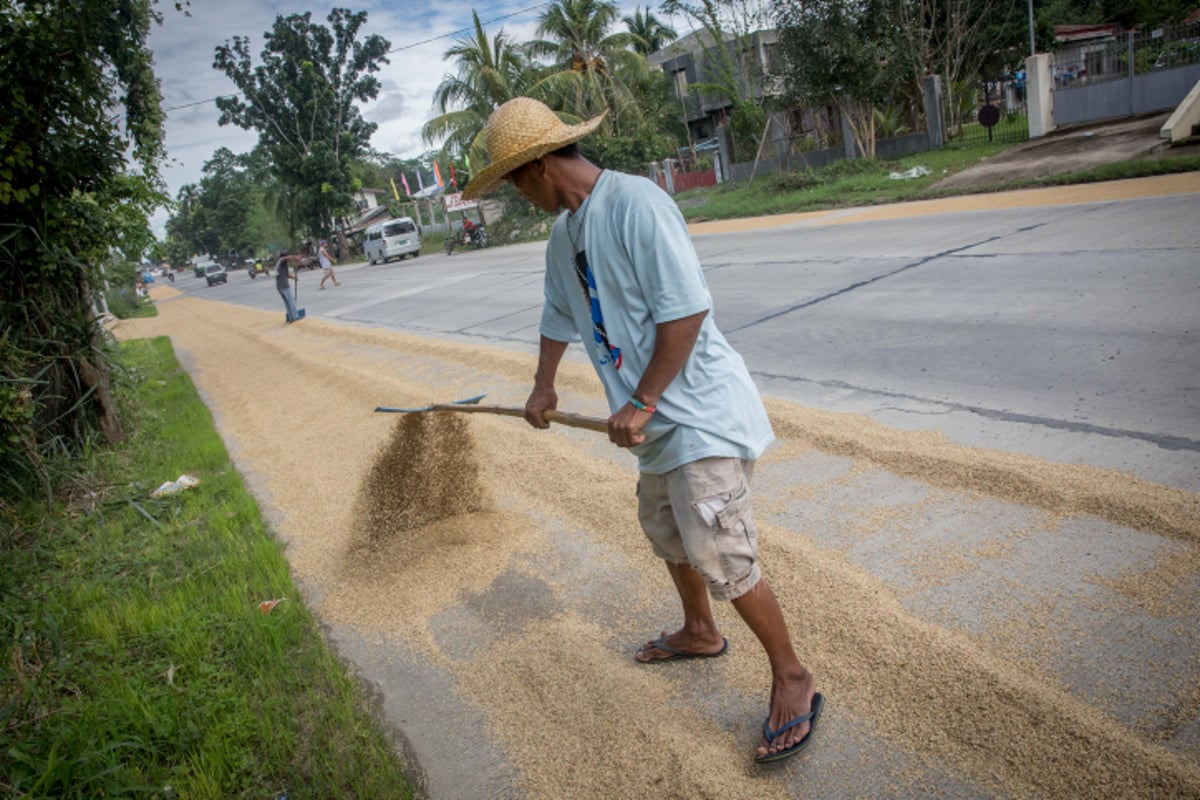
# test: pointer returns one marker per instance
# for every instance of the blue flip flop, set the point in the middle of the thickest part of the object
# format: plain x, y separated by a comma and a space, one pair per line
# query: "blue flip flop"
677, 655
818, 702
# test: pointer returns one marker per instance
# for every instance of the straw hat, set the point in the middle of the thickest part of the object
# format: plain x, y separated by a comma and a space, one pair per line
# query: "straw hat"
520, 131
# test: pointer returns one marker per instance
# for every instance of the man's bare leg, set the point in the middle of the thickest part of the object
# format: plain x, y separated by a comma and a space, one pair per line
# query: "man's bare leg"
699, 633
792, 685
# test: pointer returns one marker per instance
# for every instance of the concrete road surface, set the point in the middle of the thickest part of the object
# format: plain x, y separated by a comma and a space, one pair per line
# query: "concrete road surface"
1067, 331
1061, 324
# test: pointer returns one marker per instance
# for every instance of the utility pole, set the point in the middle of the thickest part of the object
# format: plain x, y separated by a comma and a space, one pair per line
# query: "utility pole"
1032, 46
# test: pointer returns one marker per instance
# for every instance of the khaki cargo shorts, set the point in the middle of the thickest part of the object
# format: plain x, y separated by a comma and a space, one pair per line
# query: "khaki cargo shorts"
699, 514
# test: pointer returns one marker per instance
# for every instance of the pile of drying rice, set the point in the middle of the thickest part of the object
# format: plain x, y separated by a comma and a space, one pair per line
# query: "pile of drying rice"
512, 560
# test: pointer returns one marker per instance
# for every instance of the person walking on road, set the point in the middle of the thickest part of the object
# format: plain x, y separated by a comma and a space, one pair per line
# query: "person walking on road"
326, 265
285, 276
623, 276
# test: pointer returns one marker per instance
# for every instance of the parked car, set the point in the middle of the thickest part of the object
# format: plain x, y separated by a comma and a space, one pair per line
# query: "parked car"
396, 238
215, 273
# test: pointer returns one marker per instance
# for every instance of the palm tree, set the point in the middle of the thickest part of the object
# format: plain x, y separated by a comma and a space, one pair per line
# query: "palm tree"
649, 34
587, 60
489, 74
578, 34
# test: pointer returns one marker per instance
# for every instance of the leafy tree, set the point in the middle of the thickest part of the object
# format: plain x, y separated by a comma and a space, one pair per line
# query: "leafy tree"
177, 251
380, 170
82, 107
230, 197
1127, 13
236, 206
960, 40
848, 54
302, 100
185, 226
489, 73
649, 34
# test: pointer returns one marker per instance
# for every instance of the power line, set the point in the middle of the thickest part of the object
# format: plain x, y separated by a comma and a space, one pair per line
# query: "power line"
389, 52
464, 30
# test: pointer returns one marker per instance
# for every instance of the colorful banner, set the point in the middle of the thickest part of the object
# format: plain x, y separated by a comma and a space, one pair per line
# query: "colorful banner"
437, 175
404, 182
453, 180
420, 183
395, 191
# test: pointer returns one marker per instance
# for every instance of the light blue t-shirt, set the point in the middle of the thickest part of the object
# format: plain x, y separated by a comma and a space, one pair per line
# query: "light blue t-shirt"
647, 272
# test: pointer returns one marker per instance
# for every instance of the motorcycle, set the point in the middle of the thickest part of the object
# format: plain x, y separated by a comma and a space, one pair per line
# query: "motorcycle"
475, 237
258, 268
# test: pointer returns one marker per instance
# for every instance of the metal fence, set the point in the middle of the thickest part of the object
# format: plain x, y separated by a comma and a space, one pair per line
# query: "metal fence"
988, 109
1121, 55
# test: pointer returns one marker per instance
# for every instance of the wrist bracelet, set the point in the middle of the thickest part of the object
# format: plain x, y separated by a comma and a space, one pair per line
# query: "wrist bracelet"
640, 406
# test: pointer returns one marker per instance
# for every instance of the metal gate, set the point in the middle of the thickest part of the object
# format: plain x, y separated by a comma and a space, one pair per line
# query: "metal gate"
993, 112
1118, 75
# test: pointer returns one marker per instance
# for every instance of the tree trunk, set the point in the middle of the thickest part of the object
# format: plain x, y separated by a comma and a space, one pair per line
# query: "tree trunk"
343, 244
95, 380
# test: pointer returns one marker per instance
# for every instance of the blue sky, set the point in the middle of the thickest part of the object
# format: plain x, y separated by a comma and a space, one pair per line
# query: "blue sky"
420, 32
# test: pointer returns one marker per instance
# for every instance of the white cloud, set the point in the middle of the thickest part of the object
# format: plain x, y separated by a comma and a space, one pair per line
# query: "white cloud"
390, 106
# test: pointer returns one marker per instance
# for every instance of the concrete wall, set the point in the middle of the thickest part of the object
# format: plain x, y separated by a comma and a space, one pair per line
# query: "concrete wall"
900, 146
1163, 89
798, 161
1160, 90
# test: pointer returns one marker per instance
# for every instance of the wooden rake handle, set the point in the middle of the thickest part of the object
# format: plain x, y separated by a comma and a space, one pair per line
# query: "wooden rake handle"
561, 417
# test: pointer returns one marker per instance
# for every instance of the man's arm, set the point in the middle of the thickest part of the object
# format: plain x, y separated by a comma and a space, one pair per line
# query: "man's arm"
543, 396
673, 343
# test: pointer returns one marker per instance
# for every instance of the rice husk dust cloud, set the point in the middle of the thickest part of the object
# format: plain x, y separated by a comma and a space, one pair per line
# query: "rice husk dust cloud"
427, 472
511, 560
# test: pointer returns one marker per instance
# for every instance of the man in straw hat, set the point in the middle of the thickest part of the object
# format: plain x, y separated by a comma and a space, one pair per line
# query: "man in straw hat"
623, 276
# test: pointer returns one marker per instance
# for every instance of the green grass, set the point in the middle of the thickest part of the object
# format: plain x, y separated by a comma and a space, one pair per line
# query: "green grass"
840, 184
1121, 170
125, 304
136, 660
863, 182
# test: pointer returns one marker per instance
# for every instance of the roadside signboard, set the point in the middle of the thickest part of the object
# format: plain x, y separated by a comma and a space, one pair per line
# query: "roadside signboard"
454, 202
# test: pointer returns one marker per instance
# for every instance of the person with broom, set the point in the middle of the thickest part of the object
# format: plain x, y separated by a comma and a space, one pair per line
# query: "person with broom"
623, 276
284, 277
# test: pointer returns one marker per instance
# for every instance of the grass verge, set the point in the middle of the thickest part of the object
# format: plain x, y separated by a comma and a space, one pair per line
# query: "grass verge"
137, 660
862, 182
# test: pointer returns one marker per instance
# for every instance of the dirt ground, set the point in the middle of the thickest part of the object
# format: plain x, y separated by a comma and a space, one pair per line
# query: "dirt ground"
1070, 149
511, 561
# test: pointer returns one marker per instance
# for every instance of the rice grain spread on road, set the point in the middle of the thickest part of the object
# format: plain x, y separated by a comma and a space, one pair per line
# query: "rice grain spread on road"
393, 522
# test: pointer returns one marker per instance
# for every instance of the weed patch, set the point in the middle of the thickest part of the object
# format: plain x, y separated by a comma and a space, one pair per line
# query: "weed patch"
137, 659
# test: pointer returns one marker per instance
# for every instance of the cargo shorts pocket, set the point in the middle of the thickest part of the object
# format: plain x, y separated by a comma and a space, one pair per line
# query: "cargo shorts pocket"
735, 543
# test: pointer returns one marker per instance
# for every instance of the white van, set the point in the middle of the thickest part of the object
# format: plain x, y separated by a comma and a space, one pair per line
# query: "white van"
396, 238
